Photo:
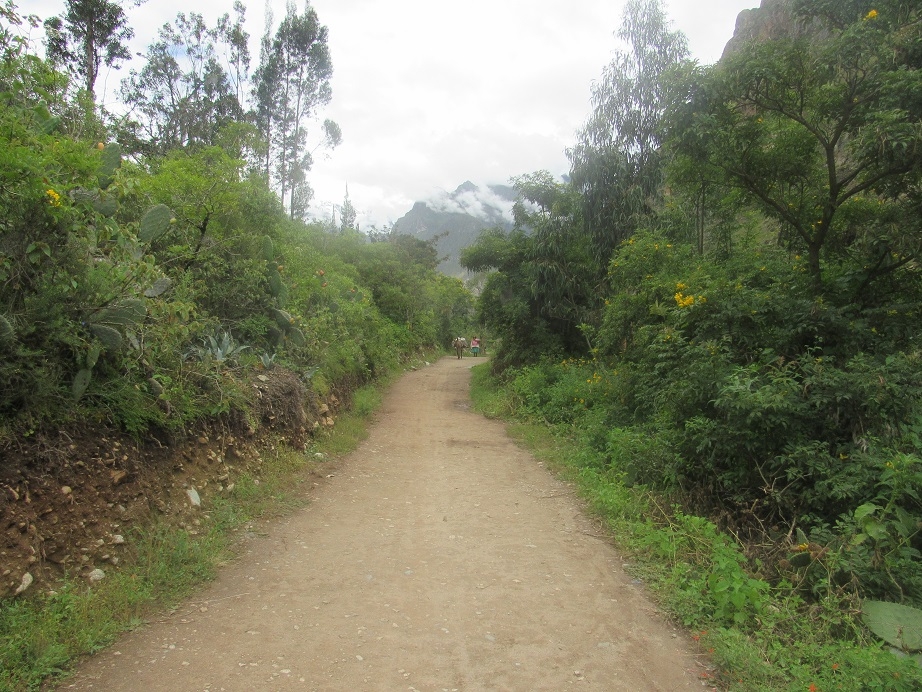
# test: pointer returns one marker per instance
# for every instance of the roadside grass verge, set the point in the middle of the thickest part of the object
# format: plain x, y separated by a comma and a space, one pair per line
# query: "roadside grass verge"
757, 637
41, 636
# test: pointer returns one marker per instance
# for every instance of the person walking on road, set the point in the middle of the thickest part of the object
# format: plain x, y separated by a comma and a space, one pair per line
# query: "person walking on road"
459, 344
475, 346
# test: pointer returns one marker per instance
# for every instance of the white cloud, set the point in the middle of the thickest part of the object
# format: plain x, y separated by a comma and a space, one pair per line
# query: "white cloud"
430, 94
482, 203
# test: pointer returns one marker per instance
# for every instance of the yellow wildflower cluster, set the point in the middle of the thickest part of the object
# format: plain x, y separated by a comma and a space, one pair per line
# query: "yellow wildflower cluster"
54, 199
680, 286
871, 15
683, 300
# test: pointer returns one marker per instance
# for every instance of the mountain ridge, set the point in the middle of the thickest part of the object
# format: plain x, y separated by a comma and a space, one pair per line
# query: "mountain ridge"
456, 218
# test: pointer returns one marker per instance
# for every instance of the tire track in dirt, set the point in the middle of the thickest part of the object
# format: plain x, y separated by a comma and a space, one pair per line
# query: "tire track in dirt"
440, 557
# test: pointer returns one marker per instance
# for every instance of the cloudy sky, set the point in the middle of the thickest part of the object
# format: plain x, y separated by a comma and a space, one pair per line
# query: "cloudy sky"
430, 93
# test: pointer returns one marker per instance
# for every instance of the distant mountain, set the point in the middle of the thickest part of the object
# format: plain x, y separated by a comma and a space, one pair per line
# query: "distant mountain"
460, 215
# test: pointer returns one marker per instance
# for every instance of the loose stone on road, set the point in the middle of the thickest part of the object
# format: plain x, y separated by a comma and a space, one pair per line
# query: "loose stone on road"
439, 557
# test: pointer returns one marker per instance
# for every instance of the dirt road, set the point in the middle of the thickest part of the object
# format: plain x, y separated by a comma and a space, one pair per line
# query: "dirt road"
440, 557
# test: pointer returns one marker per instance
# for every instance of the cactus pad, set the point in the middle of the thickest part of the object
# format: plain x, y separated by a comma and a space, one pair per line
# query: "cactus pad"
109, 336
898, 625
154, 223
128, 313
111, 161
283, 319
92, 355
160, 286
80, 383
268, 249
275, 283
105, 204
296, 336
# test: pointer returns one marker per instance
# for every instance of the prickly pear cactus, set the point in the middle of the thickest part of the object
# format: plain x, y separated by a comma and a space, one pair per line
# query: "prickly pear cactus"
898, 625
92, 355
110, 337
105, 204
283, 320
275, 336
268, 249
110, 161
159, 287
296, 336
81, 382
51, 125
128, 313
275, 282
155, 222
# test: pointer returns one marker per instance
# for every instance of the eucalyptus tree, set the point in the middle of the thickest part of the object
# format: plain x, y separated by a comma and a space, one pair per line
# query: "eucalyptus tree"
291, 84
617, 160
236, 45
88, 35
820, 129
183, 95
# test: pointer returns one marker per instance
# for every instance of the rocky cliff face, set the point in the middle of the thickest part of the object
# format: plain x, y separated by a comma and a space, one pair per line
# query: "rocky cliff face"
772, 20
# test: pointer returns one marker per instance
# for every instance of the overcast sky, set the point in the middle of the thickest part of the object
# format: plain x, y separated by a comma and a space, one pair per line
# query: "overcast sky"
431, 93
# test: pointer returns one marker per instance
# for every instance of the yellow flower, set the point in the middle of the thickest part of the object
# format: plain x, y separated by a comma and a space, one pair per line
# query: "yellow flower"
871, 15
54, 198
680, 286
684, 301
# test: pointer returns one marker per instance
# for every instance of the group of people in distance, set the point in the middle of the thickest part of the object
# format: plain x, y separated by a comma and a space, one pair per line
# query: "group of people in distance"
460, 345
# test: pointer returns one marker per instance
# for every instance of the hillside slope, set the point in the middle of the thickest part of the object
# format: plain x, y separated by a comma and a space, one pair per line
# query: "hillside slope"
458, 217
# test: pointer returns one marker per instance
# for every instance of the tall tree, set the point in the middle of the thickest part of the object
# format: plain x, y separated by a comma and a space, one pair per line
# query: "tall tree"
348, 214
183, 95
291, 84
821, 130
616, 163
237, 51
89, 34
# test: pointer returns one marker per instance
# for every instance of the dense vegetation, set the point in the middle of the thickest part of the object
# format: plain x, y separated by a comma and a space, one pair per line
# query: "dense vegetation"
151, 263
720, 308
722, 305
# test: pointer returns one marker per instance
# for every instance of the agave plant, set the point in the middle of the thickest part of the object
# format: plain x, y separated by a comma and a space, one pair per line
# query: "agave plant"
220, 349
